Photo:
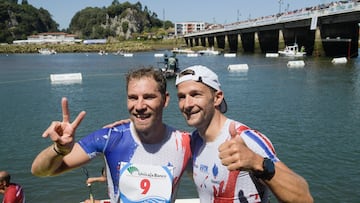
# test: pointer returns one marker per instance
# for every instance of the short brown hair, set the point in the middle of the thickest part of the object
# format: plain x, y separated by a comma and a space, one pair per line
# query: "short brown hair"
149, 72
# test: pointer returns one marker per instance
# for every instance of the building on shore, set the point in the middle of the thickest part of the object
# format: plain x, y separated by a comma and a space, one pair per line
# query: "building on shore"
50, 38
184, 28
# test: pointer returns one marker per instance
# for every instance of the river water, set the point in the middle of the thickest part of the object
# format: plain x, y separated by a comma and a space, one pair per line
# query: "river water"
311, 114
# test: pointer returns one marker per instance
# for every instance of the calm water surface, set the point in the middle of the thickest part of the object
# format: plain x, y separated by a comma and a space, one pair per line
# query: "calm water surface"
311, 114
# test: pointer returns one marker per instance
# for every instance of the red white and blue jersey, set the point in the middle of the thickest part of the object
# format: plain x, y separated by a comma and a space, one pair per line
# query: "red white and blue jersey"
215, 183
121, 144
14, 194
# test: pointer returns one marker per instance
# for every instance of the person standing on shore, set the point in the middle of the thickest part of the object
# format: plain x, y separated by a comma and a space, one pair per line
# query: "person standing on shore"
13, 193
243, 164
146, 140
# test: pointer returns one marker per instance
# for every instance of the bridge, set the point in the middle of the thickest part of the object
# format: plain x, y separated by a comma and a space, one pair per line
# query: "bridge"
328, 30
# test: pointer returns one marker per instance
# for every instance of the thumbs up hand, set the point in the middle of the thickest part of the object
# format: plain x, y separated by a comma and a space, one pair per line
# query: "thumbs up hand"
235, 155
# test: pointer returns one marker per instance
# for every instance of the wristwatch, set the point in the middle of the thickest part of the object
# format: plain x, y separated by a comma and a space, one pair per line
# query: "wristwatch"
268, 170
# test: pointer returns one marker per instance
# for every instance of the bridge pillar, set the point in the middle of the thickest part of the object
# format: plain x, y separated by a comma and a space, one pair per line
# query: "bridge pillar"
211, 41
203, 41
318, 47
233, 42
340, 39
196, 39
269, 41
187, 41
220, 39
191, 40
247, 40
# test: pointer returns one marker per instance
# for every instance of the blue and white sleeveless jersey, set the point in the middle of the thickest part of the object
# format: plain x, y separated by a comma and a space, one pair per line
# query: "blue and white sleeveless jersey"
215, 183
121, 144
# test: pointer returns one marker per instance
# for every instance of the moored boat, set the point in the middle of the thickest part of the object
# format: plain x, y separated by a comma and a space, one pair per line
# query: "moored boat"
293, 51
209, 52
46, 51
182, 51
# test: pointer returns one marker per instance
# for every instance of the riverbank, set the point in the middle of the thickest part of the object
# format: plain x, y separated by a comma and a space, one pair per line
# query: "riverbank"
125, 46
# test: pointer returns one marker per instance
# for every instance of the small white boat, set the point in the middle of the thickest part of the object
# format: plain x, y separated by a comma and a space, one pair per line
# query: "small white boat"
182, 51
209, 52
45, 51
292, 51
102, 53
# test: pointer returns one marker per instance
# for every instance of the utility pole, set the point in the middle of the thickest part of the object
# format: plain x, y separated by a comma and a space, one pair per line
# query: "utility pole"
280, 2
164, 18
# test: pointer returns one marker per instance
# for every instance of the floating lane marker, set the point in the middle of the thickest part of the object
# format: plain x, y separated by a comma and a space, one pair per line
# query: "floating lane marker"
296, 64
272, 55
66, 78
230, 55
238, 67
340, 60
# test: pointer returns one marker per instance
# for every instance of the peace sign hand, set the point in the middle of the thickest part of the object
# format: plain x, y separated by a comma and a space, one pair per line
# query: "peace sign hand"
63, 133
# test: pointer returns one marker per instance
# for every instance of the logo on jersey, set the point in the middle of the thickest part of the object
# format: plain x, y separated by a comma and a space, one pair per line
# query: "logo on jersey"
203, 168
215, 173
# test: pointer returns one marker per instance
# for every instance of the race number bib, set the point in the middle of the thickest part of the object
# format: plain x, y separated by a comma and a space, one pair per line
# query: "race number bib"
145, 183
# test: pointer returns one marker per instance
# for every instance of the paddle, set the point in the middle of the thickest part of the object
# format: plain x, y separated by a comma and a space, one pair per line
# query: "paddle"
89, 185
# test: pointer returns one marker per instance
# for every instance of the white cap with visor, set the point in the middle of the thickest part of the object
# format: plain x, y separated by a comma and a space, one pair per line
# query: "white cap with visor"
202, 74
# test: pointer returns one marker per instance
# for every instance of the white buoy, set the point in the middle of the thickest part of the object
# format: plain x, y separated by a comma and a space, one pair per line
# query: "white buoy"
192, 55
340, 60
157, 55
238, 67
272, 55
296, 64
128, 55
230, 55
66, 78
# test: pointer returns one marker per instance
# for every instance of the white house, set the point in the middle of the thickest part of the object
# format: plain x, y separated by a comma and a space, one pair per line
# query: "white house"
50, 38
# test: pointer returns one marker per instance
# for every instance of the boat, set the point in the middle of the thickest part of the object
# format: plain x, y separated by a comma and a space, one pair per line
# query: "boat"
292, 51
209, 52
124, 54
102, 53
46, 51
182, 51
171, 66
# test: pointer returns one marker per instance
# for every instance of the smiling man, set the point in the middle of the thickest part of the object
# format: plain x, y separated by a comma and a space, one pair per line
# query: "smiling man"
146, 140
231, 162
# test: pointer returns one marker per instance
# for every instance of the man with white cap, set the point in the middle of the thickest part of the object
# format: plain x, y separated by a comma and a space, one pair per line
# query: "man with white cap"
231, 162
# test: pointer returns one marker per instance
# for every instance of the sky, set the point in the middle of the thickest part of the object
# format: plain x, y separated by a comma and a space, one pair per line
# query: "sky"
209, 11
